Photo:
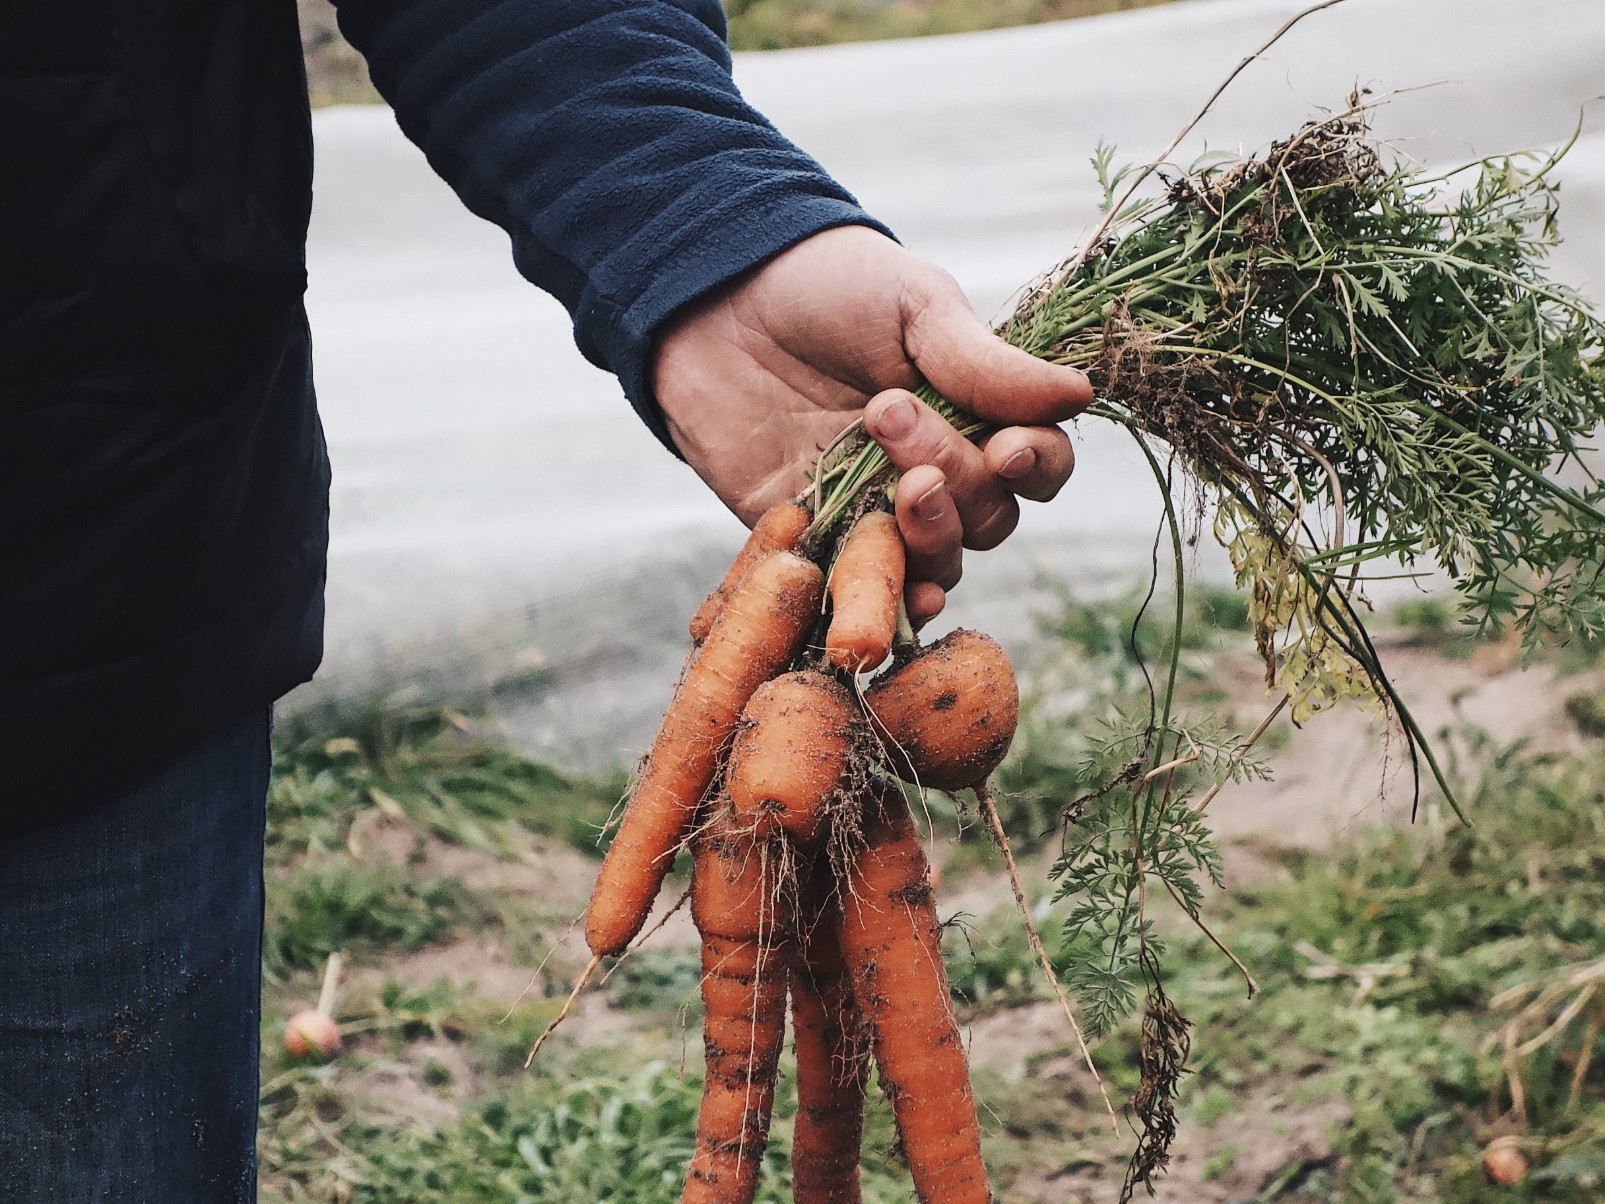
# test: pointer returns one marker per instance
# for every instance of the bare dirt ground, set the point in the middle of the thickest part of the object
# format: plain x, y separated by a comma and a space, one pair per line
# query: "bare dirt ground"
1342, 773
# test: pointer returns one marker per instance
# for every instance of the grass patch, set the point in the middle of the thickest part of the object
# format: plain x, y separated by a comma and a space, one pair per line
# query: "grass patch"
333, 905
781, 24
1393, 977
659, 980
601, 1133
437, 770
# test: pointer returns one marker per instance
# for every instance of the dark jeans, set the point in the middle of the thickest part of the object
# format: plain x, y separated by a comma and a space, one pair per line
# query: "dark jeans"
130, 982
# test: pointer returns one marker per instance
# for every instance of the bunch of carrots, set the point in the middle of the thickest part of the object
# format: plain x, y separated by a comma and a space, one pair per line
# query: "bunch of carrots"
1265, 320
781, 768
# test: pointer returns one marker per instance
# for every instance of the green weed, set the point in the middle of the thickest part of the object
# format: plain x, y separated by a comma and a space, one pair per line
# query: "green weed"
1392, 972
1102, 654
597, 1135
334, 905
661, 980
433, 769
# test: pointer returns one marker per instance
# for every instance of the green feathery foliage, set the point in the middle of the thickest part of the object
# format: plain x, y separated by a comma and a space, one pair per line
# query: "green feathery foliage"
1348, 369
1353, 365
1359, 365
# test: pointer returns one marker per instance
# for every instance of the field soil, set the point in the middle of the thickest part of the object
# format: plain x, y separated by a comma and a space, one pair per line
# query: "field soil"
1334, 781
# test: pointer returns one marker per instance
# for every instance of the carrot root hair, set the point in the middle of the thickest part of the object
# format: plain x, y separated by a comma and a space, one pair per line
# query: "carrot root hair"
568, 1006
989, 815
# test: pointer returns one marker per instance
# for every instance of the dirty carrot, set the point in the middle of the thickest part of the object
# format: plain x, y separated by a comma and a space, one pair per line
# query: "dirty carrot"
832, 1050
866, 585
791, 753
947, 716
777, 531
755, 635
740, 888
893, 949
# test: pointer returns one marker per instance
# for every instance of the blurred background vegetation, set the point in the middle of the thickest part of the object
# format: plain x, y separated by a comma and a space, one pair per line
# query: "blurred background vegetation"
336, 73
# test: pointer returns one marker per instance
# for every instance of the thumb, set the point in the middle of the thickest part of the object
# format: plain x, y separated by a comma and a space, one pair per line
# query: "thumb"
978, 371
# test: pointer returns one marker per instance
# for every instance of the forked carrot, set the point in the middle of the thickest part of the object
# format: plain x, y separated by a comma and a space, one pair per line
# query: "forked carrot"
832, 1047
893, 948
740, 902
866, 585
777, 531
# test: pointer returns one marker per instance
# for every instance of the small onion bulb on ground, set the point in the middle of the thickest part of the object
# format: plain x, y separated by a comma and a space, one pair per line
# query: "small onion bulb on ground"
1503, 1164
311, 1034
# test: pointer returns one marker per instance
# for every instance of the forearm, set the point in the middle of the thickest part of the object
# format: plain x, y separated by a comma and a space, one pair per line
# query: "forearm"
609, 140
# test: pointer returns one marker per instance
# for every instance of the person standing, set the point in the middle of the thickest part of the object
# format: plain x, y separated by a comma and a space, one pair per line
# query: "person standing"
164, 482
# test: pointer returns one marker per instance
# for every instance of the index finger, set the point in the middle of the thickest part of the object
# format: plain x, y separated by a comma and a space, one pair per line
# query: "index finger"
1034, 462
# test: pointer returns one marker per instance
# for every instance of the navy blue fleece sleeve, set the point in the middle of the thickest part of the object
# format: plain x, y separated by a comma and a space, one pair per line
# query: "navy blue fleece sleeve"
608, 139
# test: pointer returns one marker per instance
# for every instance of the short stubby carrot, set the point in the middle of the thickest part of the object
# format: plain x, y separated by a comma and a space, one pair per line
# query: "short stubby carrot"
832, 1047
777, 531
757, 633
866, 585
947, 716
741, 903
892, 945
791, 753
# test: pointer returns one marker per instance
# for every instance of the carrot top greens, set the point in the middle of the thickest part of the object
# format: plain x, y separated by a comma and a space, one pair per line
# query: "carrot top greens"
1346, 368
1344, 364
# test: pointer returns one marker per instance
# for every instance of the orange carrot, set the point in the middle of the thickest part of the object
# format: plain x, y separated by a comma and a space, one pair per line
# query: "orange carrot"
892, 945
777, 531
866, 584
832, 1049
791, 752
947, 716
739, 900
758, 631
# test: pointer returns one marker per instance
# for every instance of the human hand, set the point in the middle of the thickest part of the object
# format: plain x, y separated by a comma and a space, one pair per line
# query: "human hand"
757, 377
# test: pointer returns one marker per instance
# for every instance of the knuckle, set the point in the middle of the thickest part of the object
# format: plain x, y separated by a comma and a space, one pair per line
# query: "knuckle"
992, 528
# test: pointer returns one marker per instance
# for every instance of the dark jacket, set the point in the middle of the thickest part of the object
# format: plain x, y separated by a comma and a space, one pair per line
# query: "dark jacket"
163, 480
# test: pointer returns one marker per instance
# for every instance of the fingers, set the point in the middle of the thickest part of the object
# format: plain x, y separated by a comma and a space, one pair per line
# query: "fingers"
955, 495
932, 533
1033, 462
925, 600
914, 435
974, 368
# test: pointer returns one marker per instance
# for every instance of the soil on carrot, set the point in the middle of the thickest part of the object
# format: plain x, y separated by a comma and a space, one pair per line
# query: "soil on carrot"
1398, 965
